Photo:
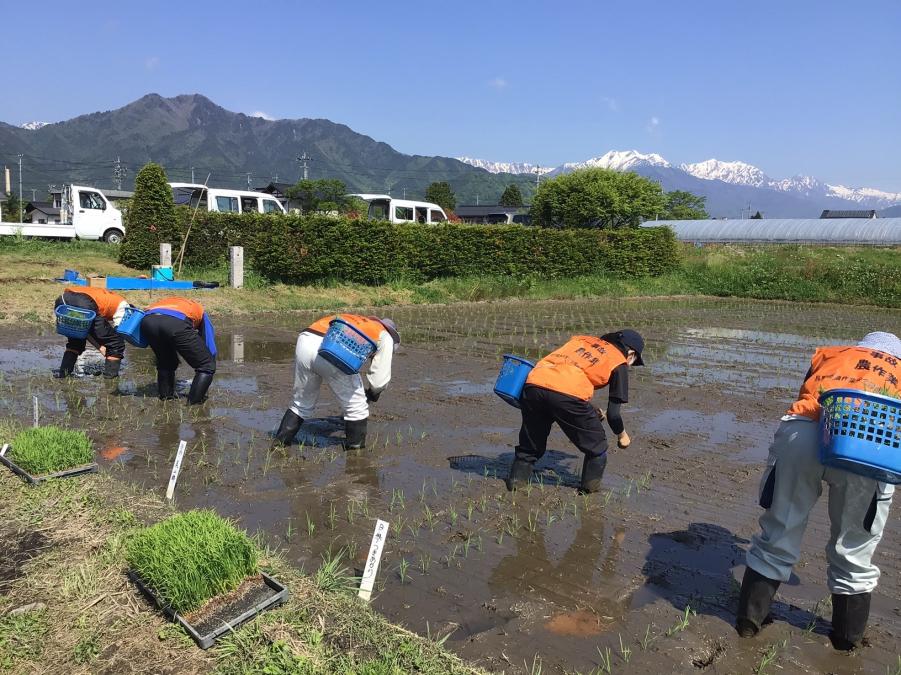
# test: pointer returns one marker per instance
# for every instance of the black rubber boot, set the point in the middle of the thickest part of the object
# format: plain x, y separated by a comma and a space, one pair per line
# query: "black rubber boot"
199, 386
850, 614
111, 368
592, 473
757, 592
288, 429
355, 434
67, 365
520, 473
165, 384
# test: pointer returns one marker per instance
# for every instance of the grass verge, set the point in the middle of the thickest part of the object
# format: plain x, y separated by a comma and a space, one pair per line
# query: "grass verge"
49, 449
89, 618
861, 276
192, 557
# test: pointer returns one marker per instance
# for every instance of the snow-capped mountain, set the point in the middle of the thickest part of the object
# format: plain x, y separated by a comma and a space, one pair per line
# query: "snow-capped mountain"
798, 195
31, 126
505, 167
618, 160
737, 173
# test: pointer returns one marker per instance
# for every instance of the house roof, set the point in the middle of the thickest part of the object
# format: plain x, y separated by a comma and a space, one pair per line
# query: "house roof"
275, 188
832, 213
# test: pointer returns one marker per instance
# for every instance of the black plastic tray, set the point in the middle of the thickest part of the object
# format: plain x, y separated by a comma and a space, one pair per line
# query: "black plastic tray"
279, 596
34, 480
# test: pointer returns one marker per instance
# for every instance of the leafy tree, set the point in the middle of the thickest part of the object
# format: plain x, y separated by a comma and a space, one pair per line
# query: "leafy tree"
322, 195
511, 197
597, 198
440, 193
757, 216
12, 208
682, 205
151, 219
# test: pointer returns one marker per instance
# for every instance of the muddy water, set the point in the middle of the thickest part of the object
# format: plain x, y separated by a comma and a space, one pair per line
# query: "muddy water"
544, 571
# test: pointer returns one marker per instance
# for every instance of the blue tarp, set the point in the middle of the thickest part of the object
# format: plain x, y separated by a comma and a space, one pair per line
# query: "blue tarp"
135, 284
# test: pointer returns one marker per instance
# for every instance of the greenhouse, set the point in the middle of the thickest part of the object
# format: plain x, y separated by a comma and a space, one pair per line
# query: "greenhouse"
857, 231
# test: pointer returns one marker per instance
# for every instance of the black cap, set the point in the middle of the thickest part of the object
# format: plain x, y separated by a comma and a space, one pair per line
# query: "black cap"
633, 340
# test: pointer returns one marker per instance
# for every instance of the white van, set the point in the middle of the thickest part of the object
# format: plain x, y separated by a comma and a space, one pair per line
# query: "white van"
224, 201
386, 207
85, 213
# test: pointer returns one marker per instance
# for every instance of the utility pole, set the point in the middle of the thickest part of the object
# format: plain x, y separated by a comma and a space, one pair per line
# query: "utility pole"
21, 209
303, 159
119, 172
537, 175
192, 174
405, 193
477, 200
32, 194
248, 179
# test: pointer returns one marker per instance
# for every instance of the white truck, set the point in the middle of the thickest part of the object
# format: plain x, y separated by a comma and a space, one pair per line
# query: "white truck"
85, 213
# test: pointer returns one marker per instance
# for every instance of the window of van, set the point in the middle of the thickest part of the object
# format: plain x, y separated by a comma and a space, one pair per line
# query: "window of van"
378, 209
403, 213
227, 204
437, 216
271, 206
250, 205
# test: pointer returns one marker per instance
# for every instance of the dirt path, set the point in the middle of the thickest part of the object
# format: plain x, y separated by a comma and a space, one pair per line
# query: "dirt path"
575, 580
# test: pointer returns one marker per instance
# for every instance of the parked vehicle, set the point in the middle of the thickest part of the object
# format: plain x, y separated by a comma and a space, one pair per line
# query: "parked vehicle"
386, 207
224, 201
85, 213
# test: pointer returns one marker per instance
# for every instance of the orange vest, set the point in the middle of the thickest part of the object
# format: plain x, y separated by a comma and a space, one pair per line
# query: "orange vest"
107, 302
582, 365
191, 309
369, 327
847, 368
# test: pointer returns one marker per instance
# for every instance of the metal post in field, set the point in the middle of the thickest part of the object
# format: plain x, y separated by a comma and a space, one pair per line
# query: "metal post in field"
166, 255
236, 266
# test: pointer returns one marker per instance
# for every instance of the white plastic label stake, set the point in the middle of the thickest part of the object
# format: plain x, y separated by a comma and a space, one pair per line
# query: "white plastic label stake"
36, 415
372, 560
5, 448
176, 468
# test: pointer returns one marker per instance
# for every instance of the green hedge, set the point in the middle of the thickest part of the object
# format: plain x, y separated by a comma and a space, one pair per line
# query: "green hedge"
304, 249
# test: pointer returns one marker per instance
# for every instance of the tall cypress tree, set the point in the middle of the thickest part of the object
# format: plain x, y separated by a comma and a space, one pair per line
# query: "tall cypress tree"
151, 219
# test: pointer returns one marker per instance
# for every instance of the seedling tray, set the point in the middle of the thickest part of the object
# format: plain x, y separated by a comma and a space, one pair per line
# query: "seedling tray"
275, 594
34, 480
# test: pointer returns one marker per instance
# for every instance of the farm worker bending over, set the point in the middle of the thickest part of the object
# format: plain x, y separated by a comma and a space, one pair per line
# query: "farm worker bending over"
110, 308
176, 327
310, 370
559, 389
793, 481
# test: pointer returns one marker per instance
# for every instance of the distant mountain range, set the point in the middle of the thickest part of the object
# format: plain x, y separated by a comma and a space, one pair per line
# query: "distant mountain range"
191, 132
729, 186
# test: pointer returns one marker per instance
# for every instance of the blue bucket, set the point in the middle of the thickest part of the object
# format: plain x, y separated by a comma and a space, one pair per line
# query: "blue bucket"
74, 322
512, 378
345, 347
130, 328
861, 433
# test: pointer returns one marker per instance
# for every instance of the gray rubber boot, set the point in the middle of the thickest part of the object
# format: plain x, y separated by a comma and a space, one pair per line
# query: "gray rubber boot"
111, 368
592, 473
520, 474
199, 386
355, 434
850, 614
288, 428
165, 384
757, 593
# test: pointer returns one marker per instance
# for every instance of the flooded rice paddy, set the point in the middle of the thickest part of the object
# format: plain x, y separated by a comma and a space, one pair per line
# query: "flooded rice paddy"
581, 582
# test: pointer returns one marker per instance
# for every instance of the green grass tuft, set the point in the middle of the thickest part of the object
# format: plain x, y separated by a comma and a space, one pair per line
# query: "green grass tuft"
192, 557
48, 449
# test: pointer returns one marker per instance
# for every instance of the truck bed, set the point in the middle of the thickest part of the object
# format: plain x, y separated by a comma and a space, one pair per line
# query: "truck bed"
38, 230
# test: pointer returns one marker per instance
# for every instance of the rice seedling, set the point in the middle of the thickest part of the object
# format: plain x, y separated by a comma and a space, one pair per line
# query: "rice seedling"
769, 656
624, 652
647, 639
682, 623
425, 562
332, 575
402, 568
311, 526
44, 450
606, 663
192, 557
332, 516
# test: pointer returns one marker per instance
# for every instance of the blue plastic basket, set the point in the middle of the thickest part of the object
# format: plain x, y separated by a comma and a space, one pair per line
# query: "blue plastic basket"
130, 328
512, 378
861, 433
345, 347
74, 322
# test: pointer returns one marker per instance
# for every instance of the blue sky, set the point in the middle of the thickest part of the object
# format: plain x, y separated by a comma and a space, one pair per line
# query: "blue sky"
792, 87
